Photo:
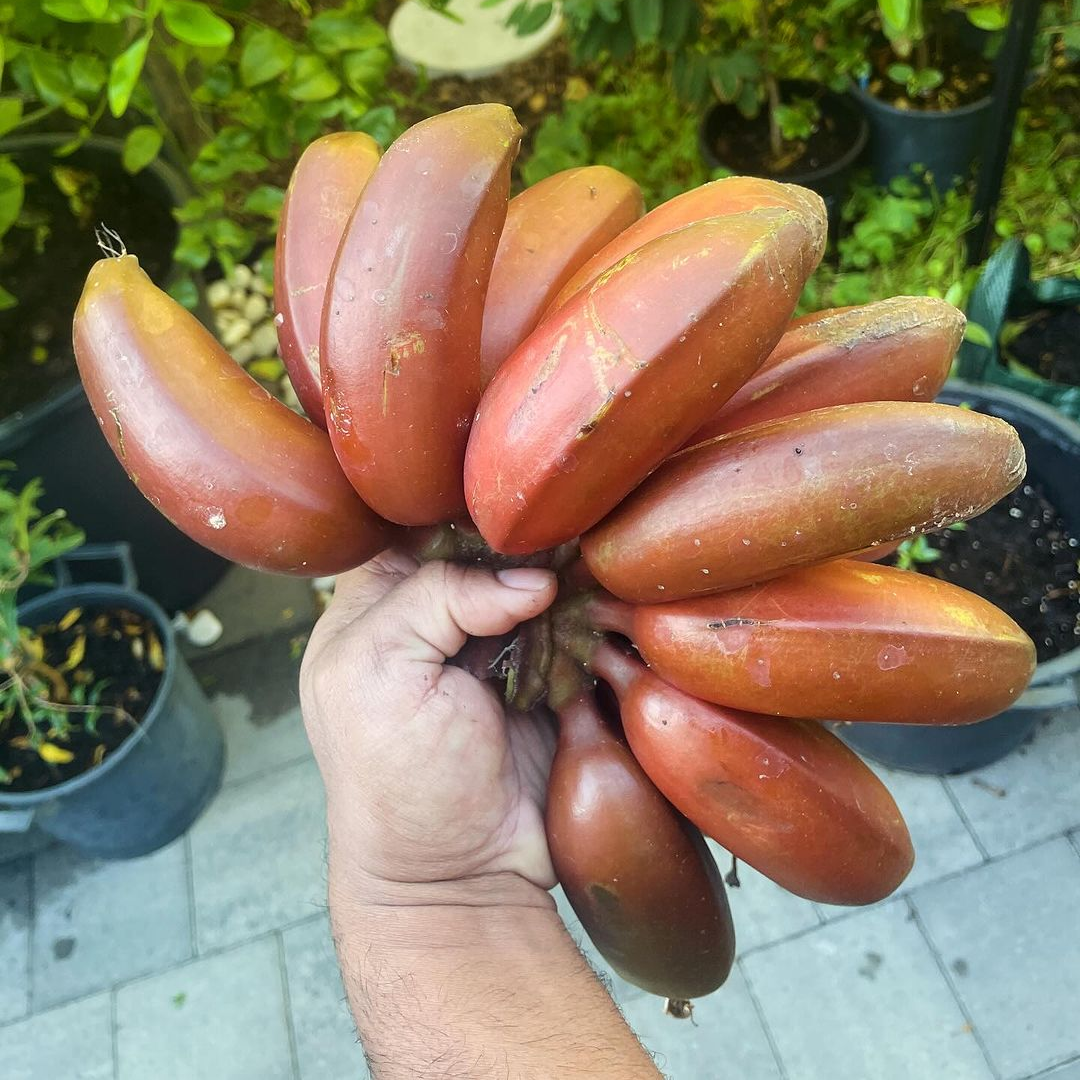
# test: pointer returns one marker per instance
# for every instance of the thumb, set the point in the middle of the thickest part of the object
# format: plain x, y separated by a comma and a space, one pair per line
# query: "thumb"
430, 615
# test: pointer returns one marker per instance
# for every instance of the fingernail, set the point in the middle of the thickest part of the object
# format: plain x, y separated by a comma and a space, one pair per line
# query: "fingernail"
527, 578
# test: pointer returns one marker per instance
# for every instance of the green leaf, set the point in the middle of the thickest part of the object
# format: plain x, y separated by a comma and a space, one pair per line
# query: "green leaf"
265, 201
900, 73
124, 74
380, 123
645, 19
988, 17
338, 31
265, 56
312, 80
184, 291
725, 78
140, 147
75, 11
365, 71
527, 18
679, 19
10, 114
12, 189
978, 335
88, 73
7, 301
195, 24
51, 78
896, 12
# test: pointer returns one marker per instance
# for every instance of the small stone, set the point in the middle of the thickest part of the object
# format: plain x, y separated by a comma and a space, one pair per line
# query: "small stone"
238, 298
260, 285
241, 276
225, 318
218, 293
255, 308
237, 332
264, 338
287, 395
243, 352
204, 628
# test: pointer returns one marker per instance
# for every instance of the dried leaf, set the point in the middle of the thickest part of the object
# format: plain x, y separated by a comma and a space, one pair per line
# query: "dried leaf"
75, 654
138, 650
157, 654
69, 620
20, 742
99, 753
55, 755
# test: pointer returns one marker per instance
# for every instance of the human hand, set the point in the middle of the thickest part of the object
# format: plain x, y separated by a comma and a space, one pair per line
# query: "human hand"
428, 779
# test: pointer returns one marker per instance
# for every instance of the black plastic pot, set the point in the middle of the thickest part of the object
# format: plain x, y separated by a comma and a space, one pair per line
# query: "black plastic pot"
1052, 443
830, 181
59, 440
944, 142
157, 782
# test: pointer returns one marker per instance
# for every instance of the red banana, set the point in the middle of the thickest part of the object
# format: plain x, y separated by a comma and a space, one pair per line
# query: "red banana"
551, 229
839, 641
785, 796
603, 391
404, 311
751, 505
732, 195
210, 448
895, 350
638, 875
321, 196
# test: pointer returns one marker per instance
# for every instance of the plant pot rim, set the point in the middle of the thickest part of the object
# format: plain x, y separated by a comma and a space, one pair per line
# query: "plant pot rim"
114, 596
1068, 663
842, 104
863, 95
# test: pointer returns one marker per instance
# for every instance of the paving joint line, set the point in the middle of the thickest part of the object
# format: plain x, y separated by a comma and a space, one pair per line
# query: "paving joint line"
286, 1004
962, 814
939, 960
759, 1011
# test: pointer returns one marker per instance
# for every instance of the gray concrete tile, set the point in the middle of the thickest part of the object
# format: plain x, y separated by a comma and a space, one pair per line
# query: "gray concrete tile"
863, 997
16, 845
1009, 933
1031, 794
327, 1047
725, 1039
252, 748
14, 940
222, 1017
941, 840
1070, 1071
259, 856
763, 912
100, 923
621, 990
73, 1042
252, 604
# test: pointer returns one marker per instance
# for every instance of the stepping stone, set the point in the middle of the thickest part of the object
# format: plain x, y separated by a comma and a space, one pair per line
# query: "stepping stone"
478, 46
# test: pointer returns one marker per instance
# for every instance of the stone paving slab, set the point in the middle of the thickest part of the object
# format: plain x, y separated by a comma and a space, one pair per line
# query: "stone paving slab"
72, 1042
1009, 933
259, 856
14, 941
1031, 795
726, 1038
18, 845
100, 923
1070, 1071
253, 747
326, 1044
761, 910
252, 604
218, 1018
863, 997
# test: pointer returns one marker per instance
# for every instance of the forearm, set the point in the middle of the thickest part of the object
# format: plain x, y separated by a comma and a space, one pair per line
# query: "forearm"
475, 980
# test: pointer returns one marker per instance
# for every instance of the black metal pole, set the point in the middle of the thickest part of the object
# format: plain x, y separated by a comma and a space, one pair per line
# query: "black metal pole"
1009, 75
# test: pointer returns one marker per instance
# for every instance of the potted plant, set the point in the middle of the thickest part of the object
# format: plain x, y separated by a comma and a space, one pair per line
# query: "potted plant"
106, 740
776, 71
925, 87
1024, 556
1030, 331
221, 98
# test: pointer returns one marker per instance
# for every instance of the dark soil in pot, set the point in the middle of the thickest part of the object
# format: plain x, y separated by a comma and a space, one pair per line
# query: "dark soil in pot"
742, 144
1049, 345
45, 263
117, 661
968, 76
1020, 556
